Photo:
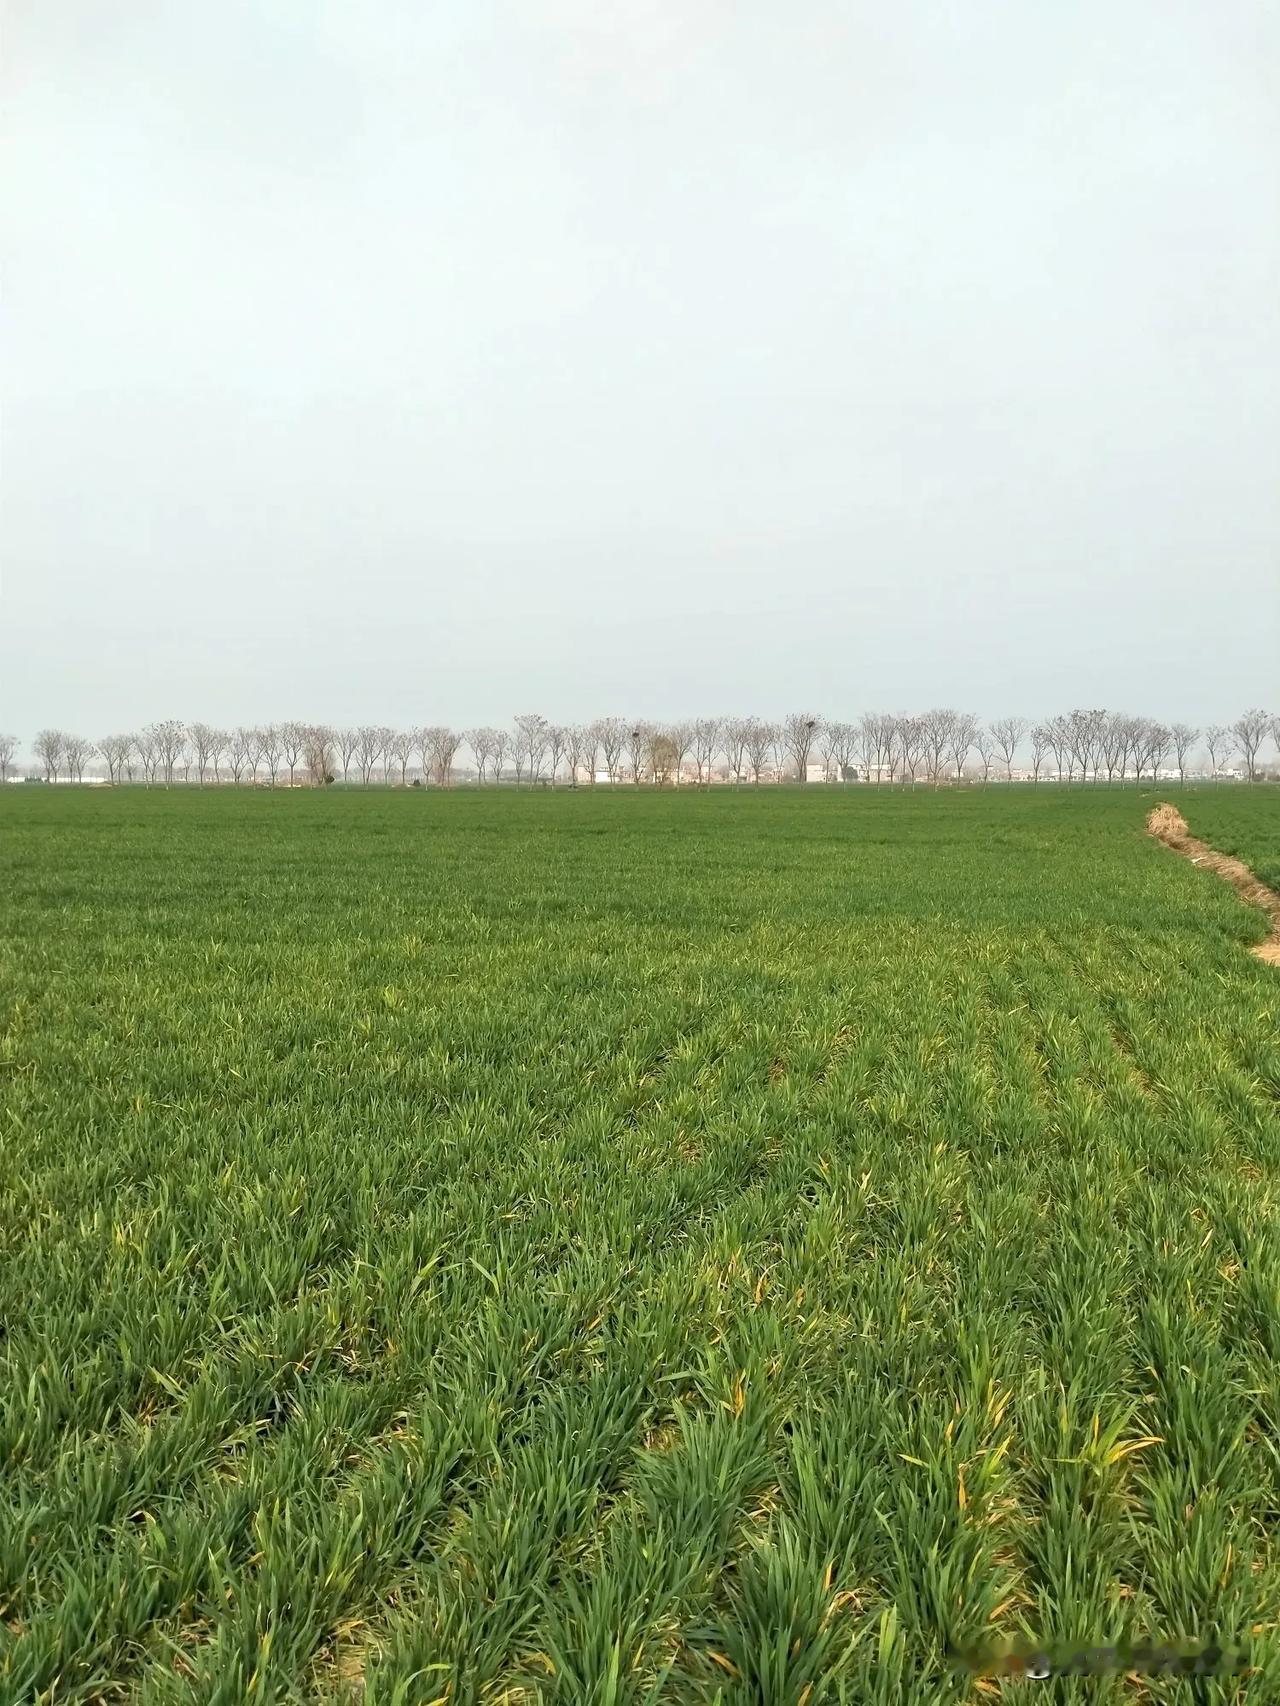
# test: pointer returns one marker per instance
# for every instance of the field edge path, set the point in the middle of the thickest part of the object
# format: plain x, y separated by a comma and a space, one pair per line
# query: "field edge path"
1167, 824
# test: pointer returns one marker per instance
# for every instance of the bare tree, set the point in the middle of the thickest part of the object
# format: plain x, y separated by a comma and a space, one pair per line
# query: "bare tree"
386, 743
400, 747
936, 726
1130, 738
75, 750
576, 738
270, 747
798, 733
591, 750
8, 746
557, 742
869, 745
1221, 744
1084, 733
148, 753
1099, 728
985, 742
481, 743
1138, 732
239, 749
420, 739
1071, 739
293, 737
1250, 730
1156, 740
706, 743
501, 749
611, 733
252, 743
897, 732
760, 737
170, 742
447, 746
1184, 738
960, 737
829, 746
368, 749
1008, 732
780, 754
914, 743
1039, 746
347, 742
733, 744
895, 739
1060, 744
419, 742
871, 740
636, 746
115, 753
681, 737
203, 741
533, 734
658, 755
1112, 745
442, 745
49, 746
736, 731
317, 754
589, 756
845, 749
662, 756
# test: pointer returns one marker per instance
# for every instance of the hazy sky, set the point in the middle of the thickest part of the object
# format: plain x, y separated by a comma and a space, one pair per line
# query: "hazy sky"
407, 362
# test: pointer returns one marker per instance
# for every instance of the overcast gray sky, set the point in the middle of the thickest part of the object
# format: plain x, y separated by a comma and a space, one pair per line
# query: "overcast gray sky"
384, 361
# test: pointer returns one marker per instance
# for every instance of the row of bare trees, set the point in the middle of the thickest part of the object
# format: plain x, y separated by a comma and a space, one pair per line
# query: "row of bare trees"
198, 752
1080, 745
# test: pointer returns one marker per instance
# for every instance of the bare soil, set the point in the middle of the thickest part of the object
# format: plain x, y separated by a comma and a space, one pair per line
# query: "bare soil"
1167, 824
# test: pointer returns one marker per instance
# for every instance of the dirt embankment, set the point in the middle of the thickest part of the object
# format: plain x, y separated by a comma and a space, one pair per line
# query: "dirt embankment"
1167, 824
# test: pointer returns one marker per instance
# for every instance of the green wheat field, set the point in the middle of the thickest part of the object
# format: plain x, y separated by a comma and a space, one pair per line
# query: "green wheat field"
632, 1247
